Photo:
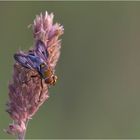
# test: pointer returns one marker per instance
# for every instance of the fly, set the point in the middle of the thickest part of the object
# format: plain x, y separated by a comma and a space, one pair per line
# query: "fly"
38, 60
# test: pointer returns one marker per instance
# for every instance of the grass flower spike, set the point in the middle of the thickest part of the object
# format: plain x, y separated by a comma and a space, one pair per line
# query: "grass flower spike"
34, 72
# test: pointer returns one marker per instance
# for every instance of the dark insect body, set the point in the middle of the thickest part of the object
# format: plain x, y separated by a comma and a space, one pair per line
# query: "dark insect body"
38, 60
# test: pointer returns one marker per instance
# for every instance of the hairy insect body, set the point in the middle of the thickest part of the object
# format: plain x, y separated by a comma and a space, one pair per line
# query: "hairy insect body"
48, 75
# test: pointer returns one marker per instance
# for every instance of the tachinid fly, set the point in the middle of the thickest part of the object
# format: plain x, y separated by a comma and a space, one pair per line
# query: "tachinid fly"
37, 60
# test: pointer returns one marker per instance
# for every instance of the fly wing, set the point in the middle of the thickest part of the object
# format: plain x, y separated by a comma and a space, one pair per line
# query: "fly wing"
41, 51
24, 60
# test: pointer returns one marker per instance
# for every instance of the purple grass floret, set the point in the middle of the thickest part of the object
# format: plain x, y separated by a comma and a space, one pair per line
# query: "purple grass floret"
33, 73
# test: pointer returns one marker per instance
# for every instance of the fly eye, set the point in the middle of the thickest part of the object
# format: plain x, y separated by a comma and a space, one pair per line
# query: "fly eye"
42, 65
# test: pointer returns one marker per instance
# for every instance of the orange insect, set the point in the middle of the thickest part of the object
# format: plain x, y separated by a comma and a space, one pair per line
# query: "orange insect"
38, 60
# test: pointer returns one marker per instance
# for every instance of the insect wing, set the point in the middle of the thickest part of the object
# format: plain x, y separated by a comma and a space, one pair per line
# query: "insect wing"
35, 61
41, 51
24, 60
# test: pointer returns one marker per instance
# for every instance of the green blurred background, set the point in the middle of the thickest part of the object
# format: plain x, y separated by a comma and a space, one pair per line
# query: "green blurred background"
98, 91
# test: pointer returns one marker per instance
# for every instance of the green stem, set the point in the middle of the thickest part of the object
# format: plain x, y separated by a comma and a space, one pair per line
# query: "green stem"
21, 136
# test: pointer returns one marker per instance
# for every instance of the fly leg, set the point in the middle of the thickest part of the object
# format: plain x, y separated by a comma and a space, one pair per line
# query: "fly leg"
33, 76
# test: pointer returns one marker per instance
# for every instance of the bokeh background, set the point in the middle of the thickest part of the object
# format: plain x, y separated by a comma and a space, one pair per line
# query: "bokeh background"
98, 91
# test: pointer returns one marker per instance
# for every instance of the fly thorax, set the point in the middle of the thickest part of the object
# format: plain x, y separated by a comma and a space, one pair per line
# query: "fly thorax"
47, 73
